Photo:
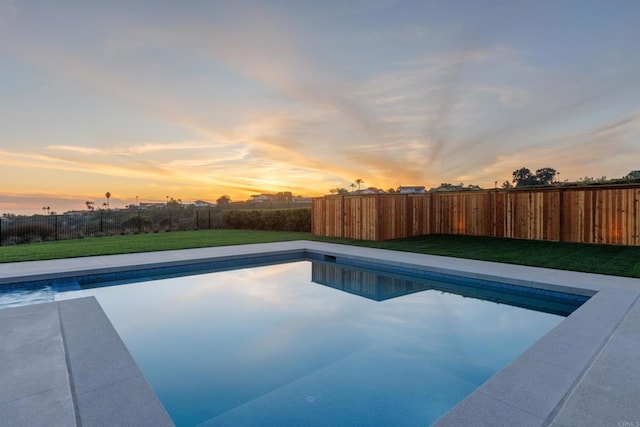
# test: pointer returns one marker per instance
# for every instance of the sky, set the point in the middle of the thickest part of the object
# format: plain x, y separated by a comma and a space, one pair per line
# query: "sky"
199, 99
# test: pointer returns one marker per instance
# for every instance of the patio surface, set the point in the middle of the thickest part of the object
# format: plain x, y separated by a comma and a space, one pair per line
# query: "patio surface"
62, 363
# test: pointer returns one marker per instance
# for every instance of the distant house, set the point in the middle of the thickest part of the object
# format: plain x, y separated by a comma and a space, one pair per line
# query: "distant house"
411, 189
300, 199
152, 205
203, 204
454, 187
260, 198
77, 213
370, 190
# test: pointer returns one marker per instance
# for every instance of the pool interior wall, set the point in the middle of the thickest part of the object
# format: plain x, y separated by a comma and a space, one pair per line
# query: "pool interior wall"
584, 372
551, 301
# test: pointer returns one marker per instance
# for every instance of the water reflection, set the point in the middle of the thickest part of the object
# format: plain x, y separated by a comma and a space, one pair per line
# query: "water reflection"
269, 346
379, 287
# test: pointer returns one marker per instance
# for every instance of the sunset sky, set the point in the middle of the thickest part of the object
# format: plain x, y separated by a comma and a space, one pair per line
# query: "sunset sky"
198, 99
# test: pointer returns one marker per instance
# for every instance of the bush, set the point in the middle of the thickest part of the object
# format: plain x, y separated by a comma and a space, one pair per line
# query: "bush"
165, 224
269, 219
186, 224
27, 233
136, 223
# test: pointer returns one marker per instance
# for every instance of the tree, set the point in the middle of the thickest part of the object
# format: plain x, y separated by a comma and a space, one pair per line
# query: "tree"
507, 185
108, 196
359, 181
352, 186
174, 204
285, 196
590, 180
391, 190
546, 176
223, 200
89, 205
523, 177
339, 190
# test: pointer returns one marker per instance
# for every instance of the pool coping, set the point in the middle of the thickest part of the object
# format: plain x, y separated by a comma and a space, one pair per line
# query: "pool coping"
583, 372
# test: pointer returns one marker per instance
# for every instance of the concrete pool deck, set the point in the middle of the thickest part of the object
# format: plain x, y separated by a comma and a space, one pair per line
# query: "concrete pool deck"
62, 363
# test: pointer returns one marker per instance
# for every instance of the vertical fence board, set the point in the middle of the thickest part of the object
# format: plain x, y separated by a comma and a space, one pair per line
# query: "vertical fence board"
587, 215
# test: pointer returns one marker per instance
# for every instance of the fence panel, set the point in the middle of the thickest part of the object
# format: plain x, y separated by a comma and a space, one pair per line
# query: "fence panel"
420, 215
37, 228
607, 215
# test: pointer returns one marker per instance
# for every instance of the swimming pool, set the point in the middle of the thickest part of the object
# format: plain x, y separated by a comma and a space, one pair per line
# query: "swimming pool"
317, 343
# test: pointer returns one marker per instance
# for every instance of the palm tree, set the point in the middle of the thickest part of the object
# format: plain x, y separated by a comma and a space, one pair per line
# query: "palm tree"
108, 196
359, 181
352, 186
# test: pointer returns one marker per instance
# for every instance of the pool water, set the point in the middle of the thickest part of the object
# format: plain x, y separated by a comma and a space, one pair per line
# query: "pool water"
312, 343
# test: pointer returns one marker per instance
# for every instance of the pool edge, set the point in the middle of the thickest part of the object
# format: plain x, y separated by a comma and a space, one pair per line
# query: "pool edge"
554, 382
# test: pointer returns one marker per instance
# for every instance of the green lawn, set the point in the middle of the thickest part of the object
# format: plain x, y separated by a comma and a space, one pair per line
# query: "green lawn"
141, 243
613, 260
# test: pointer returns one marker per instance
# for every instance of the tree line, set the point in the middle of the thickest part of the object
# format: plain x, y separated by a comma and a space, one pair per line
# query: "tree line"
522, 177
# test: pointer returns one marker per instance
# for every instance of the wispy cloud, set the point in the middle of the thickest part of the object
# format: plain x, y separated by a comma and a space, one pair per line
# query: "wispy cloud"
76, 149
253, 96
594, 152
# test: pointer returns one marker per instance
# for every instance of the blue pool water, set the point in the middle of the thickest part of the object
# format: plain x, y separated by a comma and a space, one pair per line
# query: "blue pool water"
314, 343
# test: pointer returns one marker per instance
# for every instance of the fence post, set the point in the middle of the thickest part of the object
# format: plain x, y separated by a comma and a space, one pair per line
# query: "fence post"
169, 220
0, 231
492, 213
56, 227
197, 220
561, 213
139, 223
209, 219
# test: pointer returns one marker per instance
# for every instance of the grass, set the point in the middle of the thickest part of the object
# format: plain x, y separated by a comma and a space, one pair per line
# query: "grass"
141, 243
603, 259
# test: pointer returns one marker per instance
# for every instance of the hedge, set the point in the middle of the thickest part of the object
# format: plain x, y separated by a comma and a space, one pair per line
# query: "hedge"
27, 233
269, 219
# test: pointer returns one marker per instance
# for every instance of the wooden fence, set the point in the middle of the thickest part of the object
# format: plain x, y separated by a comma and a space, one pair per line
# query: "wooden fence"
598, 214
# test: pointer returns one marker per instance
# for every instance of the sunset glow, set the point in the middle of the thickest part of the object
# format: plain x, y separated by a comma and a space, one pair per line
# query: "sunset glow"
195, 100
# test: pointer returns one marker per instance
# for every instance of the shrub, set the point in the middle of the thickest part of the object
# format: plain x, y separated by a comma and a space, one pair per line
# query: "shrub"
163, 225
186, 224
27, 233
136, 223
269, 219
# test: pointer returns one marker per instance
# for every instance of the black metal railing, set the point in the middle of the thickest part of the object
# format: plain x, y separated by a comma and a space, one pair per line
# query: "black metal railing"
37, 228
